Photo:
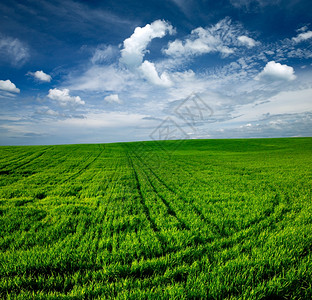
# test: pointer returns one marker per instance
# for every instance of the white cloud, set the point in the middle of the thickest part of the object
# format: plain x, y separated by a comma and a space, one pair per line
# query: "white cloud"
217, 38
104, 54
63, 97
302, 36
300, 53
8, 86
291, 102
247, 41
150, 73
276, 71
100, 78
302, 29
105, 120
14, 50
186, 83
135, 46
45, 110
41, 76
113, 98
51, 112
250, 3
185, 6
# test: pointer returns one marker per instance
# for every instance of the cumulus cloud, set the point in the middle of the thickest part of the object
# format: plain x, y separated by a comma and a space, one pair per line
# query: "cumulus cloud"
63, 97
14, 50
302, 36
41, 76
113, 98
247, 41
134, 47
276, 71
217, 38
8, 86
150, 73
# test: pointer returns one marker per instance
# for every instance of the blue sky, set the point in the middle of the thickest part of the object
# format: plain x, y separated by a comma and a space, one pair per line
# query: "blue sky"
108, 71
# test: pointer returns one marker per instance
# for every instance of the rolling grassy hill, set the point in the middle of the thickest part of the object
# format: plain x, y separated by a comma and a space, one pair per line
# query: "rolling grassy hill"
214, 219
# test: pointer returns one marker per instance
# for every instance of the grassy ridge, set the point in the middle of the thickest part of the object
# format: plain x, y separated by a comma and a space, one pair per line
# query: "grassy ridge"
216, 219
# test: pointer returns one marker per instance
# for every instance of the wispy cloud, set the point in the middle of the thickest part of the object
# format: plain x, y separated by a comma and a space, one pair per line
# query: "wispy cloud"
289, 102
100, 119
186, 6
224, 37
217, 38
104, 54
78, 16
100, 78
302, 36
302, 29
253, 4
14, 50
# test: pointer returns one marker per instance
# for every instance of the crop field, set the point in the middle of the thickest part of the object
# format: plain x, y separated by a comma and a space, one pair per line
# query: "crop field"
195, 219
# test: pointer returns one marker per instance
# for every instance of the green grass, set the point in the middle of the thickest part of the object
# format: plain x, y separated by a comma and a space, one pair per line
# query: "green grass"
213, 219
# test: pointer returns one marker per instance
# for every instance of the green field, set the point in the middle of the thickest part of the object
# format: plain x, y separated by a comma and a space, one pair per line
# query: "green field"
213, 219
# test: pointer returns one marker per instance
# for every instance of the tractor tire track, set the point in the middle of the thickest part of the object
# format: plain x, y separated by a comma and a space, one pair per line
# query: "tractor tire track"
199, 213
24, 163
216, 229
52, 163
170, 210
154, 227
114, 180
77, 174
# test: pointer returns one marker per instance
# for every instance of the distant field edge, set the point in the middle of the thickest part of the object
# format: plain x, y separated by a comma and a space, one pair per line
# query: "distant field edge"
213, 140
